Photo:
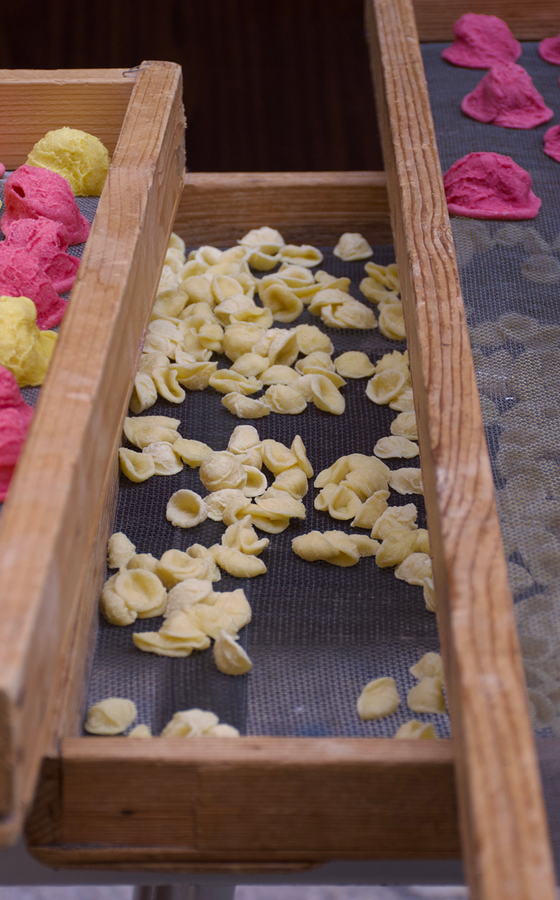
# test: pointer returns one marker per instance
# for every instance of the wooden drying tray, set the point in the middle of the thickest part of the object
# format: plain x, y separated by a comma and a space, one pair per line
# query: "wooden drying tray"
503, 822
257, 803
52, 509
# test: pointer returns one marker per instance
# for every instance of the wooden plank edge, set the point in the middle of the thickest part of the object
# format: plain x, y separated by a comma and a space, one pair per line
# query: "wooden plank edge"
503, 823
528, 22
46, 580
306, 206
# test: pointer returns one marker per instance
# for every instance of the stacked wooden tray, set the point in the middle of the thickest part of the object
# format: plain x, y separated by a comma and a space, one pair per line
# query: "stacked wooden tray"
271, 802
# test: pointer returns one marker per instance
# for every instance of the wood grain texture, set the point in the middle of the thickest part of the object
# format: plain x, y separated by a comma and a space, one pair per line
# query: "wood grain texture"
33, 102
504, 830
55, 496
308, 207
528, 21
250, 800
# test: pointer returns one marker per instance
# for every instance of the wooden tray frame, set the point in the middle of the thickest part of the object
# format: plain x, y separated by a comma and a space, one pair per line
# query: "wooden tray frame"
272, 802
53, 506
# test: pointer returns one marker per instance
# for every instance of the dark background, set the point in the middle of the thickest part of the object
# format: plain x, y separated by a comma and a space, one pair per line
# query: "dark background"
269, 86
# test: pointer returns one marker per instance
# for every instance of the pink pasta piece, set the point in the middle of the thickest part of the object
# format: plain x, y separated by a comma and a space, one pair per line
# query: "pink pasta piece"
22, 276
31, 192
549, 50
15, 417
507, 97
551, 142
489, 186
480, 42
46, 241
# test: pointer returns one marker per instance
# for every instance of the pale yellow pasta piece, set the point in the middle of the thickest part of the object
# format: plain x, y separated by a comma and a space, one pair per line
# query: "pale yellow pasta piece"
222, 731
406, 481
295, 276
395, 518
306, 255
400, 544
378, 699
166, 460
279, 375
222, 469
280, 503
354, 364
240, 338
197, 290
236, 509
212, 619
414, 569
385, 386
313, 361
132, 594
352, 246
404, 401
146, 430
182, 630
110, 716
185, 509
144, 393
327, 297
140, 731
292, 480
120, 550
395, 360
265, 237
224, 286
365, 545
236, 604
351, 314
280, 346
217, 501
196, 562
334, 547
391, 321
225, 381
326, 396
242, 536
365, 482
371, 509
237, 563
187, 593
162, 337
310, 338
376, 292
427, 696
167, 385
142, 561
243, 438
415, 730
245, 407
136, 466
340, 502
256, 483
284, 305
404, 425
192, 373
298, 448
192, 452
262, 261
277, 457
250, 365
431, 665
230, 657
169, 304
429, 594
395, 447
284, 400
190, 723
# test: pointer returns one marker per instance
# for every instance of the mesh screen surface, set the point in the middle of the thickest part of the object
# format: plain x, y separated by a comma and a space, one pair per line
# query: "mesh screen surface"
510, 278
319, 633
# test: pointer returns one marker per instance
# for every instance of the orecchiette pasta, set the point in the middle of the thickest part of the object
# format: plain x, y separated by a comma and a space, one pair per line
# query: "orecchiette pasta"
242, 536
292, 480
166, 460
354, 364
352, 246
406, 481
284, 400
404, 425
429, 594
245, 407
400, 544
222, 469
196, 562
378, 699
395, 518
190, 723
150, 429
185, 509
415, 730
110, 716
310, 338
431, 665
136, 466
217, 502
306, 255
395, 447
371, 509
192, 452
119, 550
237, 563
186, 594
140, 731
415, 569
229, 656
132, 594
427, 696
142, 561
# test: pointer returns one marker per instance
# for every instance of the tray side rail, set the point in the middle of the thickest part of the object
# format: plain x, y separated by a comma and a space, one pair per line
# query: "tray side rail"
503, 823
47, 519
528, 22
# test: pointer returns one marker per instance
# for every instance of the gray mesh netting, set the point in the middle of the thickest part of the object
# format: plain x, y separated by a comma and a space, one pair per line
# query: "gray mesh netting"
319, 633
510, 278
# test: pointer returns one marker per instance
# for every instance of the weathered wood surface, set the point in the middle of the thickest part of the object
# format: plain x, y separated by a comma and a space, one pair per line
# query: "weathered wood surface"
54, 500
503, 824
528, 21
33, 102
265, 800
308, 207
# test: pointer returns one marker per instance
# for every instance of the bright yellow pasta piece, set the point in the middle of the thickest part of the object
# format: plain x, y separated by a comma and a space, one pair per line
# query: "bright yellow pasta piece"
24, 350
